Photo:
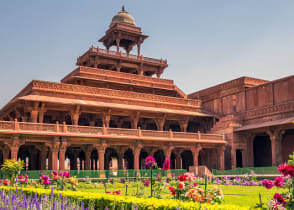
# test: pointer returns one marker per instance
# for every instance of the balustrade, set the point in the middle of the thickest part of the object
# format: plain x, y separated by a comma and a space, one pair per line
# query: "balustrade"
61, 129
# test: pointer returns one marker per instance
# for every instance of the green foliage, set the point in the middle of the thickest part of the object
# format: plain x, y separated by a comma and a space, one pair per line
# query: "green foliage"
118, 202
11, 169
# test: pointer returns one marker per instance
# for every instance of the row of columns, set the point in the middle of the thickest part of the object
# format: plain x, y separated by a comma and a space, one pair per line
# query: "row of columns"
57, 152
275, 136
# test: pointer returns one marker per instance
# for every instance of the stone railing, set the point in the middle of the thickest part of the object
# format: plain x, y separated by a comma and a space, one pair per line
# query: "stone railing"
268, 110
125, 55
15, 127
127, 95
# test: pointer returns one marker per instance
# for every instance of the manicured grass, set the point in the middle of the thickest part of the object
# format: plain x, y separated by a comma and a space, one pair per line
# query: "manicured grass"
245, 196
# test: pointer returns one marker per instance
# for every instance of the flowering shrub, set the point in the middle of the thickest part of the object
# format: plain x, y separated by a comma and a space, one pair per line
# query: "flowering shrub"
110, 201
11, 169
284, 200
149, 161
185, 188
246, 180
166, 164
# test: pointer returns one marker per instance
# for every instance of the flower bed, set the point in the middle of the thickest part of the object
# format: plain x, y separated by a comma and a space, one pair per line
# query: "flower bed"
101, 201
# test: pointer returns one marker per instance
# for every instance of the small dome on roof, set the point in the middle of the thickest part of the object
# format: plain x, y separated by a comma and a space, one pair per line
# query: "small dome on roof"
123, 17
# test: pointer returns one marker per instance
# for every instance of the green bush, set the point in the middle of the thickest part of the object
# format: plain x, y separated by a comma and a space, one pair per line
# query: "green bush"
11, 169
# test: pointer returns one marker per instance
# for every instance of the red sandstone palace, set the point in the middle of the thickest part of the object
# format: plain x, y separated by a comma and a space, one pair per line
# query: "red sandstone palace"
113, 110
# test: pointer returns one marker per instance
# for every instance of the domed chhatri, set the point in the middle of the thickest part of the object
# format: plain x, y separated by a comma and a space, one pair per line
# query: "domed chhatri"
123, 17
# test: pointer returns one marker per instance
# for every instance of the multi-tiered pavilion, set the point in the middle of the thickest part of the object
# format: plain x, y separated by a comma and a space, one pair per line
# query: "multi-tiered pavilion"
112, 111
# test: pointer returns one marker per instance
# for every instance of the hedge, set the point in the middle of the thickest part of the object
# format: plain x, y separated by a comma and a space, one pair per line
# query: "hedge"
102, 200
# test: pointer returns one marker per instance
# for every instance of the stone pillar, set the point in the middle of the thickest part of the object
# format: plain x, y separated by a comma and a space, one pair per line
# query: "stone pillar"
106, 118
167, 151
137, 151
101, 153
14, 146
117, 44
221, 156
62, 152
54, 154
139, 48
43, 157
88, 153
233, 157
120, 159
184, 124
244, 158
34, 116
160, 122
250, 155
135, 119
195, 152
75, 115
273, 139
41, 113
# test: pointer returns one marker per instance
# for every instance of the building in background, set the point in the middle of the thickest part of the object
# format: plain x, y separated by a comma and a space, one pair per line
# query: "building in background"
114, 110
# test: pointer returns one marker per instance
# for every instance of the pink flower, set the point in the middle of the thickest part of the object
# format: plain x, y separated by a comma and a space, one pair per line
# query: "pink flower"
146, 182
286, 169
46, 182
26, 176
279, 199
21, 177
54, 173
44, 177
149, 161
279, 181
195, 184
166, 164
267, 183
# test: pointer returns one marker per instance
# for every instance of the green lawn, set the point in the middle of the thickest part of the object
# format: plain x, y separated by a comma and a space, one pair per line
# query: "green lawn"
245, 196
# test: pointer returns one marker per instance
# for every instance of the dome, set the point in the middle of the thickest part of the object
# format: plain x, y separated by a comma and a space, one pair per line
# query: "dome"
123, 17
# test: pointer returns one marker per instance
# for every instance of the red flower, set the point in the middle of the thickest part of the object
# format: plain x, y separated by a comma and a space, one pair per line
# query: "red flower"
279, 181
182, 178
181, 185
267, 183
195, 184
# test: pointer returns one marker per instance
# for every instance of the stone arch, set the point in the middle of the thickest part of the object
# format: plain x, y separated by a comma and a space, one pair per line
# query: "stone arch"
81, 160
94, 159
30, 154
143, 155
110, 158
287, 144
187, 159
128, 159
159, 157
262, 152
208, 157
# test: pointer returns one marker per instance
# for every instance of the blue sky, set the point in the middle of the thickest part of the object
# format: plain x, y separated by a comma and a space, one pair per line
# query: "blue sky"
206, 42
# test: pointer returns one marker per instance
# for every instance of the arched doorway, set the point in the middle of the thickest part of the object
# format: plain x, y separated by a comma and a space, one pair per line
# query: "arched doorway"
262, 150
159, 157
187, 159
31, 157
287, 144
143, 155
110, 159
129, 159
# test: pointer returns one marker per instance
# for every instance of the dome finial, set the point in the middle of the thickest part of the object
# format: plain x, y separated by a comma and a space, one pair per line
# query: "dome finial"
123, 8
